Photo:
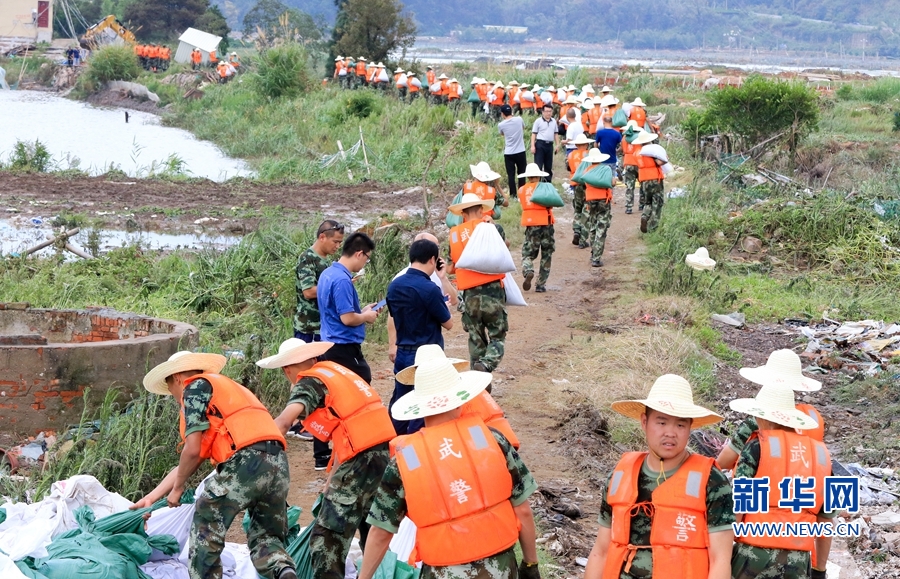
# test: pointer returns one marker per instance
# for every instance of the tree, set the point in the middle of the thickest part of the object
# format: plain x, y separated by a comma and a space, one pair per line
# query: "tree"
266, 15
162, 20
372, 28
213, 21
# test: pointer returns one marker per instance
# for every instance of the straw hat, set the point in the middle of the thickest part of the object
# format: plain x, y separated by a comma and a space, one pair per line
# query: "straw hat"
671, 395
362, 58
424, 354
551, 88
536, 87
429, 67
700, 259
587, 88
644, 137
474, 81
442, 77
608, 101
532, 170
439, 388
513, 83
524, 86
294, 351
498, 84
339, 58
632, 124
570, 100
605, 89
379, 65
471, 200
571, 88
155, 380
775, 404
583, 139
587, 103
411, 73
453, 80
595, 156
638, 103
482, 172
399, 70
783, 368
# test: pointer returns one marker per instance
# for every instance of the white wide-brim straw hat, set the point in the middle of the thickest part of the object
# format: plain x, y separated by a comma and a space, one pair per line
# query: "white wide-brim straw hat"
595, 156
775, 404
644, 137
783, 368
399, 70
587, 104
638, 103
583, 139
499, 84
339, 58
442, 77
379, 65
410, 73
439, 388
482, 171
155, 380
671, 395
633, 124
424, 354
606, 89
700, 259
362, 58
587, 88
453, 80
294, 351
513, 83
608, 101
536, 88
470, 200
551, 88
570, 100
532, 170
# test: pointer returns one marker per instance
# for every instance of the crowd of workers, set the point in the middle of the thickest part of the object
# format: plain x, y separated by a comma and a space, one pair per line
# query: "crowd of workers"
153, 57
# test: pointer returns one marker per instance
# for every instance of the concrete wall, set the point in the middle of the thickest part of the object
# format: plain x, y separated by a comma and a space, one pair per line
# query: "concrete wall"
30, 20
42, 386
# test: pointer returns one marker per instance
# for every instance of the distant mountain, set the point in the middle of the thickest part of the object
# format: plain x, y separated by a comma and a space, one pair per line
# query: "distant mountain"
820, 25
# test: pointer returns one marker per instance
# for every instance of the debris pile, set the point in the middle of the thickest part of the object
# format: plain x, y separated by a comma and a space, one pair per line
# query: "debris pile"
866, 346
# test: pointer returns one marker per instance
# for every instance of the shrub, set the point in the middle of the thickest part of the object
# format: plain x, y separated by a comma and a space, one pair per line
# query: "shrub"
30, 157
283, 71
113, 63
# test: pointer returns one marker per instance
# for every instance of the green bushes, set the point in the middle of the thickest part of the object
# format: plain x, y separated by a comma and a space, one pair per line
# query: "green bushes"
283, 71
30, 158
112, 63
879, 92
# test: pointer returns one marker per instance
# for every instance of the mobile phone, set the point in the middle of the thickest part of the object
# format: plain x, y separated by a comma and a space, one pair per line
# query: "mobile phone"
380, 305
446, 297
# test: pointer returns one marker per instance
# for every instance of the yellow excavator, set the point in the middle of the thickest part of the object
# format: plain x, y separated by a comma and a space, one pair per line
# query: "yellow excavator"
106, 32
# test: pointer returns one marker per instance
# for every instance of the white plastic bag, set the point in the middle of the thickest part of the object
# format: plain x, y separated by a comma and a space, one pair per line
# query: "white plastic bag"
8, 569
404, 541
486, 252
514, 295
169, 521
626, 108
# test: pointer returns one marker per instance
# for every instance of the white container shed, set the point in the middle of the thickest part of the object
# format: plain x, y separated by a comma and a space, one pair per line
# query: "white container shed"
193, 38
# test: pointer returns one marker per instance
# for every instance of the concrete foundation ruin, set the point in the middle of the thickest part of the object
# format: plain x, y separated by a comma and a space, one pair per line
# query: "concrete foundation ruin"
48, 358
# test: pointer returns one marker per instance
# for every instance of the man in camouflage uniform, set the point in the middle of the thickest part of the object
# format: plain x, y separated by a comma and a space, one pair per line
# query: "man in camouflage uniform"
599, 219
351, 485
580, 219
629, 164
667, 433
255, 478
653, 195
538, 222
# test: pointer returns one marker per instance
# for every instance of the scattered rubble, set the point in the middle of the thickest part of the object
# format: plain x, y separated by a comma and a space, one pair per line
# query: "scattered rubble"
866, 346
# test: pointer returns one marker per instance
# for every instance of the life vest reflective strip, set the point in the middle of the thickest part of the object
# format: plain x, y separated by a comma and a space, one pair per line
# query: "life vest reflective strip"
353, 418
485, 407
788, 454
237, 419
817, 433
466, 278
631, 153
483, 190
648, 170
592, 193
639, 115
575, 158
532, 213
457, 488
679, 536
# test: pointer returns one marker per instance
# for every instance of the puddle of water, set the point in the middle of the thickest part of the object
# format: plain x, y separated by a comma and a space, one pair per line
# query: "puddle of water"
18, 234
99, 137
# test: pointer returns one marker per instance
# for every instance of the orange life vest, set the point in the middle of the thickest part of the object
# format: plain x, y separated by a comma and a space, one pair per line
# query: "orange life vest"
373, 74
397, 77
563, 112
533, 214
430, 77
648, 169
526, 104
593, 119
499, 95
412, 87
466, 278
353, 417
361, 68
338, 67
788, 454
817, 433
556, 98
592, 193
679, 536
481, 91
457, 492
483, 190
223, 69
453, 91
575, 158
639, 115
196, 57
631, 152
485, 407
237, 419
511, 93
212, 56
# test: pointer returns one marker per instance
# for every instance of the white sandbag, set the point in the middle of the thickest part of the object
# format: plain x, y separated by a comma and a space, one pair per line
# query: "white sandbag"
416, 82
547, 97
459, 90
404, 541
626, 108
667, 169
514, 295
169, 569
342, 72
486, 252
169, 521
383, 76
561, 95
402, 80
518, 97
655, 151
528, 96
8, 569
436, 87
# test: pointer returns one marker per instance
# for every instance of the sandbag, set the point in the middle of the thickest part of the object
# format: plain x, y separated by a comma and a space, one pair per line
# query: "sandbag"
518, 97
473, 97
600, 176
528, 96
383, 76
620, 119
579, 172
452, 220
514, 295
626, 108
298, 549
404, 541
486, 252
546, 195
655, 151
416, 82
667, 169
436, 87
547, 97
402, 80
392, 568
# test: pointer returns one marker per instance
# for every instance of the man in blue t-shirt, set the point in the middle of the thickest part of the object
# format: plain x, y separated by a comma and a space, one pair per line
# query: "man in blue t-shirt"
343, 321
419, 311
608, 140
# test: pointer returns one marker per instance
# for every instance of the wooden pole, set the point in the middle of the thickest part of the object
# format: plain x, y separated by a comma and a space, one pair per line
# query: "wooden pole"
344, 157
79, 252
51, 241
362, 142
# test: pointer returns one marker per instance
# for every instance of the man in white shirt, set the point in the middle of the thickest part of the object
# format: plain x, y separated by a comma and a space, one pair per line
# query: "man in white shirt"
513, 130
574, 129
545, 138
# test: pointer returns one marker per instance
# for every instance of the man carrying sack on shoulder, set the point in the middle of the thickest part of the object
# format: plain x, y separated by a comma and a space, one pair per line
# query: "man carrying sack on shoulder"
538, 223
598, 195
224, 422
336, 405
460, 482
666, 512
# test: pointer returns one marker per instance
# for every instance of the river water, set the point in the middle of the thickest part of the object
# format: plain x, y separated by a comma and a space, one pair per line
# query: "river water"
95, 139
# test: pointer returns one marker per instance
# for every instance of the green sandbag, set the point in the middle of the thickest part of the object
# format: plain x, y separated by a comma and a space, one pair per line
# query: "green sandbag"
298, 549
453, 220
473, 97
87, 556
546, 195
620, 119
600, 176
124, 522
2, 515
391, 568
631, 134
579, 172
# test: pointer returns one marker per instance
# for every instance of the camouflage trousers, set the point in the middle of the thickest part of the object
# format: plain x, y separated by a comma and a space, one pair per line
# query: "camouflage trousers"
748, 562
499, 566
600, 217
629, 176
538, 239
654, 196
344, 510
484, 317
580, 219
258, 482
